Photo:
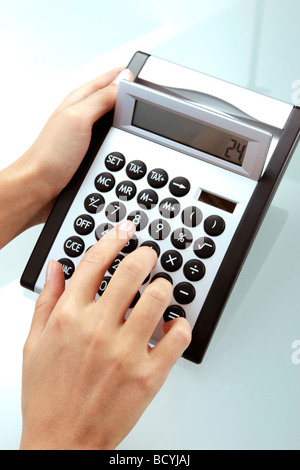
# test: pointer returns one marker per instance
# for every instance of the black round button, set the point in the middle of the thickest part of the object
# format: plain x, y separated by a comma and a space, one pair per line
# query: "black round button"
115, 161
67, 266
173, 311
131, 245
94, 203
103, 285
214, 225
204, 247
171, 261
152, 245
164, 275
139, 218
102, 229
104, 182
115, 211
181, 238
159, 229
194, 270
126, 190
169, 208
179, 186
84, 224
147, 199
74, 246
184, 293
115, 263
135, 299
191, 216
157, 178
136, 169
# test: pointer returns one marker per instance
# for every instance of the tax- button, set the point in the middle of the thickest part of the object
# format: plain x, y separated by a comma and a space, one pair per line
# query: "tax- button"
74, 246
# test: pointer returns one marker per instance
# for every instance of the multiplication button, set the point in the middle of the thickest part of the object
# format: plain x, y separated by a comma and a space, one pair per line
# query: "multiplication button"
171, 261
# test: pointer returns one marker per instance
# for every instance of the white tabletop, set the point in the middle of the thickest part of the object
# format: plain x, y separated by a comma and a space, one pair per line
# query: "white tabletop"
245, 395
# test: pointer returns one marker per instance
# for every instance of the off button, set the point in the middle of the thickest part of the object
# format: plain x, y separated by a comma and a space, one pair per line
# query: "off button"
74, 246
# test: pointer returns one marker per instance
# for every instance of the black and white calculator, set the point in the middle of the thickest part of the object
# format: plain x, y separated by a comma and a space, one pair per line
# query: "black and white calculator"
194, 162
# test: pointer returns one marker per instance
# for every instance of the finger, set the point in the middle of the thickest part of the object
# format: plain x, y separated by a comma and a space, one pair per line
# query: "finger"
85, 282
52, 291
103, 100
126, 281
148, 311
89, 88
168, 350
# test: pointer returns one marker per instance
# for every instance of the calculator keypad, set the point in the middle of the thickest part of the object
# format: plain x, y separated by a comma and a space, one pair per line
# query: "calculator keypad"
112, 200
188, 236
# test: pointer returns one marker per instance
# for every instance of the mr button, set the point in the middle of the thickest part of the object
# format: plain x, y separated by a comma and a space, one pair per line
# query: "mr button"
74, 246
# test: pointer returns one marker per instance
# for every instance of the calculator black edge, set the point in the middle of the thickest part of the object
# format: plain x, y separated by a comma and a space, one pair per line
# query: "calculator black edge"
242, 241
65, 198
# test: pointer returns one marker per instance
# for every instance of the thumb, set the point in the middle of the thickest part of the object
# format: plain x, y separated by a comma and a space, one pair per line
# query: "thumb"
103, 100
53, 289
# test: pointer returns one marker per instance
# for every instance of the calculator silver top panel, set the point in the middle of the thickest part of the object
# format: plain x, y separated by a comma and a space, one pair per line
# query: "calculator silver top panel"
258, 140
237, 101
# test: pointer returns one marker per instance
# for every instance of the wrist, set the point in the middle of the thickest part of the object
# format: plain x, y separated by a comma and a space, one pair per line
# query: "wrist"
22, 198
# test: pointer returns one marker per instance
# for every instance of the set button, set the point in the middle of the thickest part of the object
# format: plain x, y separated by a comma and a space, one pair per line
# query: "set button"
115, 161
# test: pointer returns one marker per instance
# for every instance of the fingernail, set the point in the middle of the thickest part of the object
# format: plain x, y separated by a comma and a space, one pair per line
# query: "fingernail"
127, 226
124, 75
49, 270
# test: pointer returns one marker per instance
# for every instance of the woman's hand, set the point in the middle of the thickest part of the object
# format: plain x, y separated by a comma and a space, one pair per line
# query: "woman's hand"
88, 375
29, 186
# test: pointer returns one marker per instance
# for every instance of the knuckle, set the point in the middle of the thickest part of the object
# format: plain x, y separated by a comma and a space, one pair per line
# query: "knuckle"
132, 266
183, 332
159, 292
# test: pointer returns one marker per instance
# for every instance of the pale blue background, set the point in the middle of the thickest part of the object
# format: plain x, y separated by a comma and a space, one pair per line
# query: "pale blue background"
246, 393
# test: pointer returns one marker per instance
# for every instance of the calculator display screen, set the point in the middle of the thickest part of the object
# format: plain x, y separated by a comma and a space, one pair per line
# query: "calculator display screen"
195, 134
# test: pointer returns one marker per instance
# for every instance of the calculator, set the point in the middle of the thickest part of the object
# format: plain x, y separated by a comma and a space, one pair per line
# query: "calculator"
194, 162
